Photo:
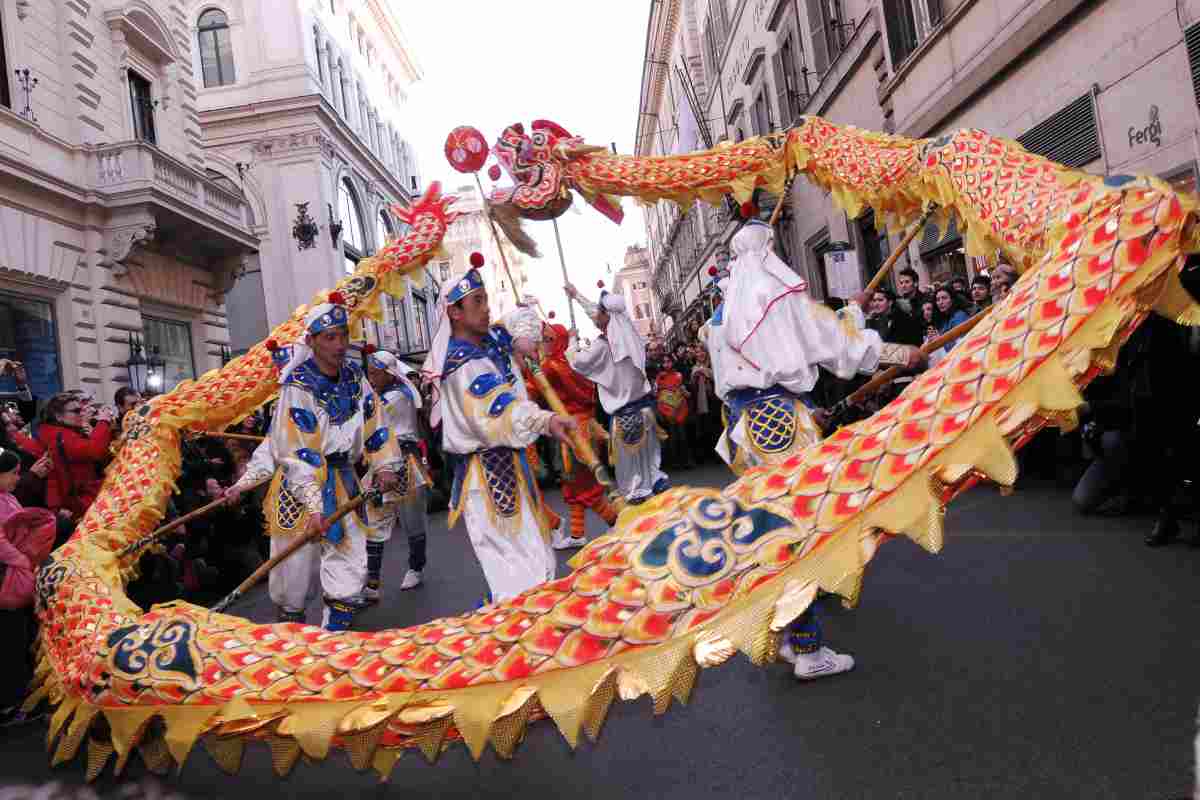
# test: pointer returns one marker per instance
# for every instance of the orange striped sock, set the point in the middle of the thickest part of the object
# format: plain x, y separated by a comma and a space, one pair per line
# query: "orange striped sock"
605, 510
578, 525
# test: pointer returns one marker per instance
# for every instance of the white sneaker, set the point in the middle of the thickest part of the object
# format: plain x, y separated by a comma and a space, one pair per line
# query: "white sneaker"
412, 579
821, 664
568, 542
787, 652
370, 595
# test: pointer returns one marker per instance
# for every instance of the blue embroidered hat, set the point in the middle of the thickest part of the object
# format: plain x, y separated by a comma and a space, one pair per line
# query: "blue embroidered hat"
468, 283
327, 315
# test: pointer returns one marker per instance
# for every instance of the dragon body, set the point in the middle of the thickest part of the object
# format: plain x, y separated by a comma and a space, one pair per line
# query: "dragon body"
682, 581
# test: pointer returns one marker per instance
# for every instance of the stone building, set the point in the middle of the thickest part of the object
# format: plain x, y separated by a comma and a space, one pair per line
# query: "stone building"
1108, 86
632, 281
471, 233
302, 106
113, 234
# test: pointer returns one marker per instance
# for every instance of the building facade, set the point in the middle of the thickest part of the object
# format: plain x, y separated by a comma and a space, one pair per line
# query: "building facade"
632, 282
301, 106
471, 233
113, 235
1108, 86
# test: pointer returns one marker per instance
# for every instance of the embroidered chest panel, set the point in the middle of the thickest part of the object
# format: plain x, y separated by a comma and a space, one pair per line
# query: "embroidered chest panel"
338, 398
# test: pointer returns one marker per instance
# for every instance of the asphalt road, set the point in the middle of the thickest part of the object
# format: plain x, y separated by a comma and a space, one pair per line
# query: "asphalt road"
1041, 655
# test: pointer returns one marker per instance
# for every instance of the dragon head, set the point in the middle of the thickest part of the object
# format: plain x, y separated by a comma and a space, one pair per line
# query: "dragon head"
536, 162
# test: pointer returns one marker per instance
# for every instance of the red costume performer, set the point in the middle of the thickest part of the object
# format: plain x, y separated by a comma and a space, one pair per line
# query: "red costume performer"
553, 522
672, 397
578, 394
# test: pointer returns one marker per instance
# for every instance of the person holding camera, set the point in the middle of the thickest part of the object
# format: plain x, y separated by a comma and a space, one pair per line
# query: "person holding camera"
77, 453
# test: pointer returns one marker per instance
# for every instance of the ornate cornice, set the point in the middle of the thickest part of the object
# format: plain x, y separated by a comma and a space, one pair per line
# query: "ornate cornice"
269, 146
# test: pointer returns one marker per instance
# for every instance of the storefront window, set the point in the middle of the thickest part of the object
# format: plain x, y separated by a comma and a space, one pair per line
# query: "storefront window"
28, 335
170, 341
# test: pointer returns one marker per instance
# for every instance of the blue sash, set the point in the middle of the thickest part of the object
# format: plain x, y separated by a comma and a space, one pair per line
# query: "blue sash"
338, 465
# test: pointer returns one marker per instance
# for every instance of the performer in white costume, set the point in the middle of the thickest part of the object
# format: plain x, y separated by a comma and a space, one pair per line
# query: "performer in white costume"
404, 510
326, 420
489, 420
767, 341
616, 362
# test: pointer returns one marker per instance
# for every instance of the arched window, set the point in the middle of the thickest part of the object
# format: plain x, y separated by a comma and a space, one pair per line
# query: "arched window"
384, 229
317, 50
354, 245
216, 49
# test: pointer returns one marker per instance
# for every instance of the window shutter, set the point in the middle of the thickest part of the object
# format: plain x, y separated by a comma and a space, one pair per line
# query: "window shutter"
1069, 136
932, 238
901, 32
816, 27
783, 102
1192, 37
935, 11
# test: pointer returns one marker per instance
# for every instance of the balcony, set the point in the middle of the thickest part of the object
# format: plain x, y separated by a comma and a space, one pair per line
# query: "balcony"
186, 205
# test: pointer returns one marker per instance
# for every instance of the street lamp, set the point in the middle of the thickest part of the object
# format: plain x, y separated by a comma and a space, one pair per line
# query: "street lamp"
145, 374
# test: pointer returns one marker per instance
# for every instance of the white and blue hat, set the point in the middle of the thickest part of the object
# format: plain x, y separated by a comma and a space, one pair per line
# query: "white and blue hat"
468, 283
325, 316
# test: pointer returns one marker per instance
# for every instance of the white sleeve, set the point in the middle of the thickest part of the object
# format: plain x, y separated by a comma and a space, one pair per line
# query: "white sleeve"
501, 416
589, 361
260, 466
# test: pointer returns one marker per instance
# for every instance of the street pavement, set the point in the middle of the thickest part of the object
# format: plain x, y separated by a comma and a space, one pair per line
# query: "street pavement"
1041, 655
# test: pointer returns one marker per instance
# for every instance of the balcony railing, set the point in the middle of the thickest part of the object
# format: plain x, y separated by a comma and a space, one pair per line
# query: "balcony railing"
127, 167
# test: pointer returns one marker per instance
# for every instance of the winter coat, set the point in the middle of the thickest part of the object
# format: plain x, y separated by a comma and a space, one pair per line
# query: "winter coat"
26, 538
75, 480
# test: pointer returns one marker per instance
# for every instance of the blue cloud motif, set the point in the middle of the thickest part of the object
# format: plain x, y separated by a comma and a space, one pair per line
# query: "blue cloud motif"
500, 403
305, 420
310, 457
484, 384
377, 440
369, 407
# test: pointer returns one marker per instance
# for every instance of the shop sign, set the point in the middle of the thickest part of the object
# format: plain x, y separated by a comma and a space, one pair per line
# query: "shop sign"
1150, 133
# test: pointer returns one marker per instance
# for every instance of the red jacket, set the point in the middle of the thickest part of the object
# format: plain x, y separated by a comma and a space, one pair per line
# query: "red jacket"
74, 484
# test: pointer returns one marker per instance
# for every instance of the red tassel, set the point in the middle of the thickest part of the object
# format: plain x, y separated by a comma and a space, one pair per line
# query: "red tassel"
272, 345
337, 298
494, 172
748, 210
550, 315
477, 259
370, 348
599, 284
712, 271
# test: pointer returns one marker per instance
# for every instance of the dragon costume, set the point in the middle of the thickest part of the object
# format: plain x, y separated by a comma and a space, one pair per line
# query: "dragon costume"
683, 581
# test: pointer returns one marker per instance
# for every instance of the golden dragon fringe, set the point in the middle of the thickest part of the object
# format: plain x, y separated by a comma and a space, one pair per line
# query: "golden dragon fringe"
681, 582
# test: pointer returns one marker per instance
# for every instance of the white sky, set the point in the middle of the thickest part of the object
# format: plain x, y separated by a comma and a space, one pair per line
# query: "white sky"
489, 64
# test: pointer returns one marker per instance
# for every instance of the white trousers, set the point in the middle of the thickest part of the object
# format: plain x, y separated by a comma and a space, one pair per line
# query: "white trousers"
342, 568
512, 562
637, 469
